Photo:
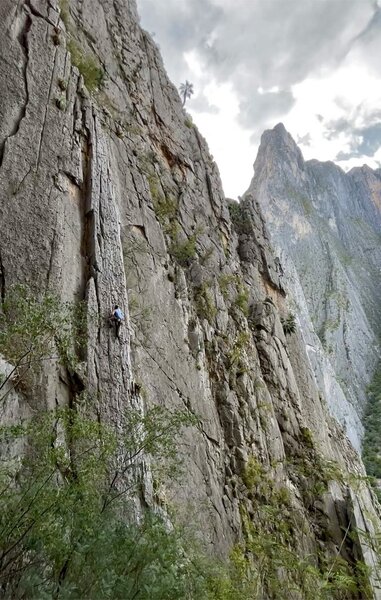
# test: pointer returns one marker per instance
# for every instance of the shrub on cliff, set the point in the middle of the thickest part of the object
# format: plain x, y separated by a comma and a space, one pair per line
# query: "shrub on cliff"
68, 528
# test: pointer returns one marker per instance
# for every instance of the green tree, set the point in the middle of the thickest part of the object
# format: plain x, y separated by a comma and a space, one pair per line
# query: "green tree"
186, 91
37, 329
371, 452
68, 527
68, 522
289, 324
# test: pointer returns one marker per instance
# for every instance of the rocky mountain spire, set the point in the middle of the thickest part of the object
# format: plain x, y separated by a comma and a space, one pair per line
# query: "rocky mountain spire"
324, 224
278, 149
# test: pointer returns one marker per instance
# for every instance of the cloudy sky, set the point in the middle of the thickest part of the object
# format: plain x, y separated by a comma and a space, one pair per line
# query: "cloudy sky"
315, 65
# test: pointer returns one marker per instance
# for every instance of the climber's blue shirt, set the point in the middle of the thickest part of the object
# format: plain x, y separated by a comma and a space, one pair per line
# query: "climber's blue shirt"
119, 314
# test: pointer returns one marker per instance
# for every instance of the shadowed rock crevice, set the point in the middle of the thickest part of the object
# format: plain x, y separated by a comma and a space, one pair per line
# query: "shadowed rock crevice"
49, 97
2, 280
23, 41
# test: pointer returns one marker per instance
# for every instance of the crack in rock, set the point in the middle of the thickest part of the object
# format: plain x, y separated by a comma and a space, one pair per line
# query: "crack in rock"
23, 40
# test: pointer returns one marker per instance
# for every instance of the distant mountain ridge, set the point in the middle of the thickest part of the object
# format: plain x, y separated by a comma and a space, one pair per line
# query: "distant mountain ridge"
325, 225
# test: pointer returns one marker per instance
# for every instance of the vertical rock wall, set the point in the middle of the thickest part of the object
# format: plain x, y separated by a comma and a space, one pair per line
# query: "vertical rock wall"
108, 193
325, 226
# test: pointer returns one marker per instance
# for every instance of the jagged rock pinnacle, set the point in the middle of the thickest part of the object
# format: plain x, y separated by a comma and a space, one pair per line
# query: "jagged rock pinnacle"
277, 147
324, 224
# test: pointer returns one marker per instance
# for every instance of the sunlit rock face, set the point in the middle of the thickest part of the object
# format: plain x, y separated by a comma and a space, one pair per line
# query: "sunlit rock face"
325, 226
108, 194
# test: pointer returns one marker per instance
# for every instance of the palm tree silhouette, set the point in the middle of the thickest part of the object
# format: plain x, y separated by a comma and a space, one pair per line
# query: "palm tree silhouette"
186, 90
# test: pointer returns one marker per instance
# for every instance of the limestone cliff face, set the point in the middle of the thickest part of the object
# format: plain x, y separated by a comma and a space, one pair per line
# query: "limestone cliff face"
325, 226
108, 193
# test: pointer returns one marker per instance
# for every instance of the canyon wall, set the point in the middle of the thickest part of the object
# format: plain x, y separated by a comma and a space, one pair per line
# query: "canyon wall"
108, 194
325, 227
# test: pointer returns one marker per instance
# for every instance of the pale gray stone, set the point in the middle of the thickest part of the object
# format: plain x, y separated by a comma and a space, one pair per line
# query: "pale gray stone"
100, 192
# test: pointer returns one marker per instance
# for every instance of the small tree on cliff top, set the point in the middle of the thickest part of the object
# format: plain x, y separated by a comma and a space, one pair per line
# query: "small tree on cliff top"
186, 91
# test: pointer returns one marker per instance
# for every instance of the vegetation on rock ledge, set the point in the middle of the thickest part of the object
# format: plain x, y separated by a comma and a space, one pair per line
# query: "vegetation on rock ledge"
372, 439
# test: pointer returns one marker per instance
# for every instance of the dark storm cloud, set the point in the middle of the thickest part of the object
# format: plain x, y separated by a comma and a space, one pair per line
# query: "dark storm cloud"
371, 140
367, 45
178, 26
256, 107
364, 140
372, 30
280, 43
337, 126
263, 45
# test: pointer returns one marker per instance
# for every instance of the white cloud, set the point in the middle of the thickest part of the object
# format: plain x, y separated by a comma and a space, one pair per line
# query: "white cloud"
228, 141
338, 111
313, 64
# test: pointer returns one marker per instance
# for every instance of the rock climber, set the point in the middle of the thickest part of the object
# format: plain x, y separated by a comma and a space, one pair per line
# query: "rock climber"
116, 318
